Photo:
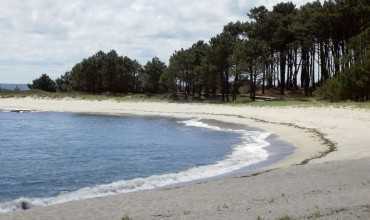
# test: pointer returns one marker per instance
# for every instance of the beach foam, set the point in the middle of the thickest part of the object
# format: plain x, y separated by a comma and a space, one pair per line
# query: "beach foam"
250, 151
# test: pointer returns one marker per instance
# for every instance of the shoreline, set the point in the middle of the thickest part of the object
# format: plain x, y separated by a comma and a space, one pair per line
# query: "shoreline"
313, 139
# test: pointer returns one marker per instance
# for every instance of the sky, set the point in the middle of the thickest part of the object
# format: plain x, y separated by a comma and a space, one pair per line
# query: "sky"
45, 36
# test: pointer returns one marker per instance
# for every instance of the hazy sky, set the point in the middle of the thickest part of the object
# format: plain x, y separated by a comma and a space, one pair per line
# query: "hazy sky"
45, 36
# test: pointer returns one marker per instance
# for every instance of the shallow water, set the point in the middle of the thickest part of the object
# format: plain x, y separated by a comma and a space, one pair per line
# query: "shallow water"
50, 158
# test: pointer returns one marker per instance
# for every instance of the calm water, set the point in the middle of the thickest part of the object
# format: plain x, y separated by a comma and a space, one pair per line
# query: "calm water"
11, 87
48, 154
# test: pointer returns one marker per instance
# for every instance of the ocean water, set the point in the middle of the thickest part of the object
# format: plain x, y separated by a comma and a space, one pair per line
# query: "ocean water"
50, 158
11, 87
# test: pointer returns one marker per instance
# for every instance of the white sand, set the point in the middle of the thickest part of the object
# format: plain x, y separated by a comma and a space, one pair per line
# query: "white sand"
344, 180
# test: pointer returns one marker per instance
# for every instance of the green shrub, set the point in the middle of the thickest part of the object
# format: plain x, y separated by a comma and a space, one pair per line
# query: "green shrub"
351, 84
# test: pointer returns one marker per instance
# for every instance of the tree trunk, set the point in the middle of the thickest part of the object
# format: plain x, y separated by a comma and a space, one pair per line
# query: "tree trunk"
227, 85
282, 71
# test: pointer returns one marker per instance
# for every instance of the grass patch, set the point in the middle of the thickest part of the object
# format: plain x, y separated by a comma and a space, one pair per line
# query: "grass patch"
241, 101
285, 218
84, 96
126, 217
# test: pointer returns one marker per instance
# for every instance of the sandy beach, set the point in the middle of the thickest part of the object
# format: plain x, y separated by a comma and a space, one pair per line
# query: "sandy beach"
332, 180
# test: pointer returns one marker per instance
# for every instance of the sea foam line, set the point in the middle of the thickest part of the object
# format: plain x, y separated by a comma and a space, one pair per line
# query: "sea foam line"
250, 151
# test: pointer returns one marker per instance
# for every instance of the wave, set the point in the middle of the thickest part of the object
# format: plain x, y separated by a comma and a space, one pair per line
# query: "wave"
251, 150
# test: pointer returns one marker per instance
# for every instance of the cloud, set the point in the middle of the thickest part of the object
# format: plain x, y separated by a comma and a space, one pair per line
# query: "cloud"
42, 36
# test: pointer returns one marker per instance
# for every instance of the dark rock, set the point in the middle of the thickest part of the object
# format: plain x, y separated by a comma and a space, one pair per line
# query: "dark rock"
25, 205
20, 110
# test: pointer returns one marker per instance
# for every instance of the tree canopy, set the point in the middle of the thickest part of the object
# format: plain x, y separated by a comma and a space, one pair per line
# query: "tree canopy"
318, 46
43, 83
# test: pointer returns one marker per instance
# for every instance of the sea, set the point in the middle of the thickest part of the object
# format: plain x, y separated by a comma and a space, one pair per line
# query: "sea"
12, 87
49, 158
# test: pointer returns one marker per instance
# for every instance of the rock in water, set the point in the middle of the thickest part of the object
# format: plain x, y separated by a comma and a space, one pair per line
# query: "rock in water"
25, 205
20, 110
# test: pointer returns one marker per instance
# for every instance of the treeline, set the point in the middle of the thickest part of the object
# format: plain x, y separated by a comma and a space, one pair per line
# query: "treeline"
319, 45
285, 48
109, 72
